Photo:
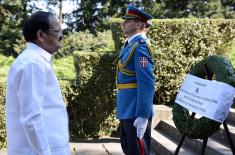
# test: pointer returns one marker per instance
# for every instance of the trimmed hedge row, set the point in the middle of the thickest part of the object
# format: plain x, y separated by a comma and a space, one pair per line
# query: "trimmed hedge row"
3, 141
92, 108
86, 41
178, 44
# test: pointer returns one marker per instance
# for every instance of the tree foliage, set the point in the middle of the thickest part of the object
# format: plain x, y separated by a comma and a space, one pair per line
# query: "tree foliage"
93, 15
191, 8
12, 15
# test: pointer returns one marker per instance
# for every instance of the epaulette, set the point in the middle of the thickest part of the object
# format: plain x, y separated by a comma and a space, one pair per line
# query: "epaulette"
142, 41
149, 47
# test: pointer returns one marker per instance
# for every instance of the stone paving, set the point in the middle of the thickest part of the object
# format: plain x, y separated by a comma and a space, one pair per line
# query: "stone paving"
109, 146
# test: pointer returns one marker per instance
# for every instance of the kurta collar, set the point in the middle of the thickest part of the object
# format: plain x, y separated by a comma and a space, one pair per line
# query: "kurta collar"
40, 51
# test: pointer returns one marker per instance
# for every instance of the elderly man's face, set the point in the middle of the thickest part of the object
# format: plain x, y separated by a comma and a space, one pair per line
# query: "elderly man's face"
53, 36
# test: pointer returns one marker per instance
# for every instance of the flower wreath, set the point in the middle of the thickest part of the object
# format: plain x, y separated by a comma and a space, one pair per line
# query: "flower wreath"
203, 127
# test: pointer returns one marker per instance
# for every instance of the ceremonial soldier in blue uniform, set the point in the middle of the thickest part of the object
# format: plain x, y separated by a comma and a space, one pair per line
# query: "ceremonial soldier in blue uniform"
135, 84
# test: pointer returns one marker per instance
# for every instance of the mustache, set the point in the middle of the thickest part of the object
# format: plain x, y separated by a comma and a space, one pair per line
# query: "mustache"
60, 38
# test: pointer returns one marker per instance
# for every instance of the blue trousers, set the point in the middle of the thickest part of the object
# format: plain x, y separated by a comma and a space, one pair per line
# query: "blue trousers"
130, 143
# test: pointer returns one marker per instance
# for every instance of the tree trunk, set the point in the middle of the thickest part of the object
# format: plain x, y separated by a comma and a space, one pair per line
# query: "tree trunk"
60, 12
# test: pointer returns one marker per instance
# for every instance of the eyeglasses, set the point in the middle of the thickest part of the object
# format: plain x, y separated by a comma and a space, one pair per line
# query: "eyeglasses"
55, 30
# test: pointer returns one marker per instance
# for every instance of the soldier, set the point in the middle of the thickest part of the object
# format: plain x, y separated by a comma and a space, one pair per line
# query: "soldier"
135, 84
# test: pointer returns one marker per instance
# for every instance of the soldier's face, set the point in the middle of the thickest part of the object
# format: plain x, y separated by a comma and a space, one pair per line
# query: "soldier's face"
130, 27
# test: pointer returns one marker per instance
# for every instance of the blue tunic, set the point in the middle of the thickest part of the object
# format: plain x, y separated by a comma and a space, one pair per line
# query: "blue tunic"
135, 66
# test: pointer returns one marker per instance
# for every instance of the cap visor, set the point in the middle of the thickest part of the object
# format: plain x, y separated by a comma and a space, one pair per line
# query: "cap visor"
128, 17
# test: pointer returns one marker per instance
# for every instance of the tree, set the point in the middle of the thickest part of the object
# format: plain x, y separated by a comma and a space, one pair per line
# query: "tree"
202, 9
229, 8
59, 4
13, 14
94, 14
192, 8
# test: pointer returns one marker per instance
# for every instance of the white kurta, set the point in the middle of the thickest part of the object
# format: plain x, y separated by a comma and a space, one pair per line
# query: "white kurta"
36, 117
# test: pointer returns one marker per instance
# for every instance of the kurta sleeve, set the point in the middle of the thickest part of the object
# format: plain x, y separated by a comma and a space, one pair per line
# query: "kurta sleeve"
144, 68
31, 94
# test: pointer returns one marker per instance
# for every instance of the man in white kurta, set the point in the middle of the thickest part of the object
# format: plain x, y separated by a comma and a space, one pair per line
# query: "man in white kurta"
36, 117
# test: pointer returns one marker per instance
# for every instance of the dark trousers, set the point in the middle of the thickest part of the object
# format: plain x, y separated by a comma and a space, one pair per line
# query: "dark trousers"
130, 142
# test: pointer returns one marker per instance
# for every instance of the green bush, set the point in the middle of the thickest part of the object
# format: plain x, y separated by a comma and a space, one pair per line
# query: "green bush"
78, 41
65, 90
92, 108
118, 36
86, 41
20, 45
178, 44
64, 68
5, 63
3, 141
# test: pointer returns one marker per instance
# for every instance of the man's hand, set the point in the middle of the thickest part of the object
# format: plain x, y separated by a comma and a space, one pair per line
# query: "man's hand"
141, 124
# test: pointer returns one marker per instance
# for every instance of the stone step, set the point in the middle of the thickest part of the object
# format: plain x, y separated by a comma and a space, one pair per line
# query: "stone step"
221, 137
161, 112
213, 147
231, 117
162, 145
233, 105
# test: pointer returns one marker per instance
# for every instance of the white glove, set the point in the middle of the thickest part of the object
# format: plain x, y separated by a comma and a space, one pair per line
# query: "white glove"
141, 124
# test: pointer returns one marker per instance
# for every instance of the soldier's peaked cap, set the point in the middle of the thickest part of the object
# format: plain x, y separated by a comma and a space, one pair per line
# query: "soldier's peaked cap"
132, 12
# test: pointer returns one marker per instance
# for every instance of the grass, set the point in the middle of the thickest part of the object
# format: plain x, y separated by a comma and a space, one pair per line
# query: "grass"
5, 63
64, 67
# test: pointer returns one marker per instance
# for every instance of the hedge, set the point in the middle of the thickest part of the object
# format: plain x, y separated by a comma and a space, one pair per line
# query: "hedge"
3, 141
92, 108
178, 44
85, 41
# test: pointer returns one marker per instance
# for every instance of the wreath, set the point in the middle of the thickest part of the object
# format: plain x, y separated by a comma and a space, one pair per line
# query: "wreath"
203, 127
